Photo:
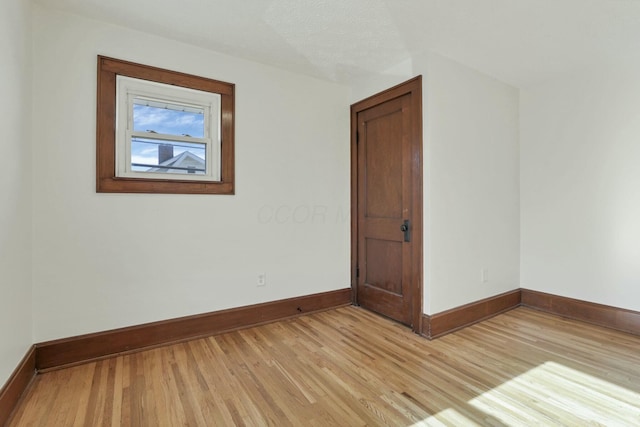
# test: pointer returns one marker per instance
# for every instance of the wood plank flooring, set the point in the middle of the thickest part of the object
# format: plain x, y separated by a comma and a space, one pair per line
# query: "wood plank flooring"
349, 367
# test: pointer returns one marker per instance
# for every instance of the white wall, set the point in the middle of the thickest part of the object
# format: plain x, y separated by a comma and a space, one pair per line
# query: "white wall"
471, 185
580, 175
15, 185
471, 179
103, 261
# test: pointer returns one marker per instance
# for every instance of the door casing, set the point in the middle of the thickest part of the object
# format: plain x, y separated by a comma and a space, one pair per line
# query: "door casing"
414, 88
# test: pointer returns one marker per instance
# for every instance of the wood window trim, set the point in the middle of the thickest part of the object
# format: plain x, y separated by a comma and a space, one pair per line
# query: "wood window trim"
106, 179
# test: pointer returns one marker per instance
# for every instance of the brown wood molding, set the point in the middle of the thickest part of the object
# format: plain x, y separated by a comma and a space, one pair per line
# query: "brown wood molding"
457, 318
412, 87
598, 314
449, 321
16, 385
106, 179
83, 348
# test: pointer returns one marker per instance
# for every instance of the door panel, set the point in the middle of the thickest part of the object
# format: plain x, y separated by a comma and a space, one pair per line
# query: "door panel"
384, 265
383, 162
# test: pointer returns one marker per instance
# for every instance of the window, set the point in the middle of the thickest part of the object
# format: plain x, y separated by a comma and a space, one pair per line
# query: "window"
166, 132
160, 131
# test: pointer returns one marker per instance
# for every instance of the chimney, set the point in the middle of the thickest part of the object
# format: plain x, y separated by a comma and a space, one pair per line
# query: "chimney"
165, 152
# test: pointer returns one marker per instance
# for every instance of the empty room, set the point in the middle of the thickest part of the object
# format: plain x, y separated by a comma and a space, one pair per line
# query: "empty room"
320, 212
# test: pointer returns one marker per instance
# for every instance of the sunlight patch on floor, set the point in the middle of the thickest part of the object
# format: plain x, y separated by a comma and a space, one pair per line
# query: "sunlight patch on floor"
561, 395
447, 417
557, 394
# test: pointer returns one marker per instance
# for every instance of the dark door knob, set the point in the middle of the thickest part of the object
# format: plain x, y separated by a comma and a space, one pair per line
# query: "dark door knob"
406, 229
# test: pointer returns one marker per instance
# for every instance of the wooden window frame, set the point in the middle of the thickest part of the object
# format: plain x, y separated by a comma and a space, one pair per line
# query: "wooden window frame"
106, 179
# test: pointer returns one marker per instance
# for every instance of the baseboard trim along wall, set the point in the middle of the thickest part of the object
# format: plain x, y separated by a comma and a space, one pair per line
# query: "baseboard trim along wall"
597, 314
443, 323
81, 349
17, 384
84, 348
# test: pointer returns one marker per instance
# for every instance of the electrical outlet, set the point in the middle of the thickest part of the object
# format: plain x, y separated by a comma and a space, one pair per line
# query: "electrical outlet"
484, 275
262, 279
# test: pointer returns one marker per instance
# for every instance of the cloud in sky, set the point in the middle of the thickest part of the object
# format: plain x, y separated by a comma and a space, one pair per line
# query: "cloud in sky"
172, 122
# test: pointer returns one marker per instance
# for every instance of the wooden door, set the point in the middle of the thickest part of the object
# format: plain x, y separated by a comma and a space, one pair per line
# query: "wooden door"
388, 203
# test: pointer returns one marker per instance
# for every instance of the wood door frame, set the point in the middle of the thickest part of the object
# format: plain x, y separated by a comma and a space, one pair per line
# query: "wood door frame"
414, 88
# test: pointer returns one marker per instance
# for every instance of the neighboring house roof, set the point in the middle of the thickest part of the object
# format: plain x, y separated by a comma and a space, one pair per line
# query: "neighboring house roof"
184, 160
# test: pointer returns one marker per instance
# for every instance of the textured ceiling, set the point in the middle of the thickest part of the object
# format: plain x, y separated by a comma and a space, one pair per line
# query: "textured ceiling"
518, 41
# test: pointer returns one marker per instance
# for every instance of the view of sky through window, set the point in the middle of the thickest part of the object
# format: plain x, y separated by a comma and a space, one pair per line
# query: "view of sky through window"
169, 119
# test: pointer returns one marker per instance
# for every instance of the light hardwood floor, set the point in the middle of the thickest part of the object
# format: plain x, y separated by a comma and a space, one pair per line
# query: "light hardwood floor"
350, 367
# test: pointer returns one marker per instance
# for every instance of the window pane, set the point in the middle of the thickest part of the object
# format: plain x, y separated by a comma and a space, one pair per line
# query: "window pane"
161, 156
168, 118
